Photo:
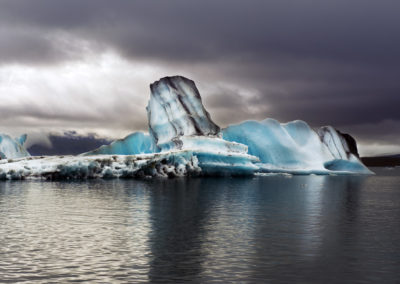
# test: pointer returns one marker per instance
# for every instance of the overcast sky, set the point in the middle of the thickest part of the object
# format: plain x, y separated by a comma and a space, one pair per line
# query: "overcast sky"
87, 65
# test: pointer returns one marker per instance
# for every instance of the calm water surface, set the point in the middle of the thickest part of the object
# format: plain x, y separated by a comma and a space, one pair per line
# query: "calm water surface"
270, 229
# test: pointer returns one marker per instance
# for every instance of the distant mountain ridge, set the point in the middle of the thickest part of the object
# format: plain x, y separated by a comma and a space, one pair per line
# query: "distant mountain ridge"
382, 161
70, 143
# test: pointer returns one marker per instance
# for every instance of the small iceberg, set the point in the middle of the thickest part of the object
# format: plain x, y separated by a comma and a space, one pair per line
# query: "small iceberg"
11, 148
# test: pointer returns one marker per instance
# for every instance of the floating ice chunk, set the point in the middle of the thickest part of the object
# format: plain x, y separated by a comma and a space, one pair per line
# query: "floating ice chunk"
12, 148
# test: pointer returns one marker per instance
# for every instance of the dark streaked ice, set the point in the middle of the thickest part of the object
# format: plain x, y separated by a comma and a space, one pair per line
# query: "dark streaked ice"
175, 109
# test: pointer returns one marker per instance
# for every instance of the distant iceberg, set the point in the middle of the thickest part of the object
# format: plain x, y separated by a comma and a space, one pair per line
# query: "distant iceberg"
11, 148
183, 140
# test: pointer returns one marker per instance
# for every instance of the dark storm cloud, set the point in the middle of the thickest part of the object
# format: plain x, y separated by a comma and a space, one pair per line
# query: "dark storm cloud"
326, 62
31, 116
356, 31
68, 143
13, 47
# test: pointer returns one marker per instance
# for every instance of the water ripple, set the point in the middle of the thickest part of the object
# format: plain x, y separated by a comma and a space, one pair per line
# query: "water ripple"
263, 229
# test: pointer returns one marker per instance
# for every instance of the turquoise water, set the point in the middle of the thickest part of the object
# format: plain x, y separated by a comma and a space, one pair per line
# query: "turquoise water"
271, 229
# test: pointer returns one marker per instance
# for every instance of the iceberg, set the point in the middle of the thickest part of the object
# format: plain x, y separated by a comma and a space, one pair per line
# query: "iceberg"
12, 148
183, 140
178, 121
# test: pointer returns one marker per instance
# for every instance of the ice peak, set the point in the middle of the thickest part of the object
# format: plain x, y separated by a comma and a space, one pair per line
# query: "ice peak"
175, 109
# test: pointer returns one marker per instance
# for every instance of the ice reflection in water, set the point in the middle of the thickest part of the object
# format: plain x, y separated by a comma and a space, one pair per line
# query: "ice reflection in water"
278, 229
76, 231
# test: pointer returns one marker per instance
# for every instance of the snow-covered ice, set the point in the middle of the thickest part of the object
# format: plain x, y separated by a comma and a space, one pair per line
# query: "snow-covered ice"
172, 164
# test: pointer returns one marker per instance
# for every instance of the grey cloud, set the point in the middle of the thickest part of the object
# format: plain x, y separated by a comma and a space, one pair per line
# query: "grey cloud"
116, 118
363, 32
26, 46
338, 106
224, 108
326, 62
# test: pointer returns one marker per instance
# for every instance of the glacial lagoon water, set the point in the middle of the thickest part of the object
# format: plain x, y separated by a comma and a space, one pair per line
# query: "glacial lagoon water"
264, 229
